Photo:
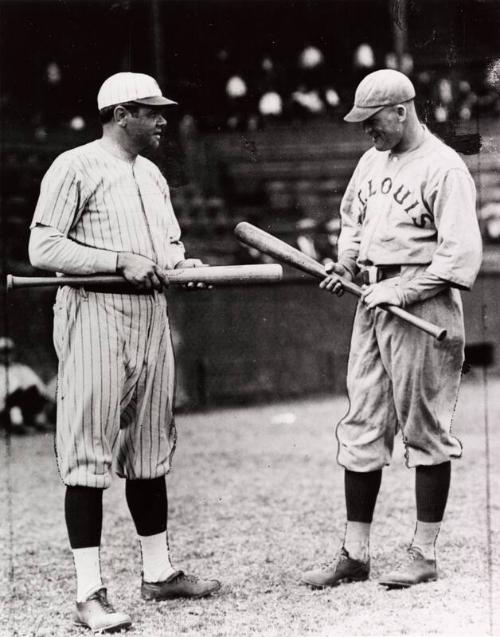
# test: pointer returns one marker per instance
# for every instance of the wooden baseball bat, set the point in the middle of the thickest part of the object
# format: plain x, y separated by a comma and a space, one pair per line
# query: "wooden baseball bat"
282, 251
216, 275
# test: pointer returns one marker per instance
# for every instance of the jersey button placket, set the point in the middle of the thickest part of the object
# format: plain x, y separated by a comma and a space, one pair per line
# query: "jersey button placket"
146, 220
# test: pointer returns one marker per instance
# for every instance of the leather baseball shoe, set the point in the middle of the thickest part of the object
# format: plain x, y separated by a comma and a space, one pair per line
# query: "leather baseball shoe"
418, 570
97, 614
345, 570
178, 585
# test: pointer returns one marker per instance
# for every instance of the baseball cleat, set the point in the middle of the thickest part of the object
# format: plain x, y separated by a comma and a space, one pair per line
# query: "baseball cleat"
178, 585
97, 614
418, 570
345, 570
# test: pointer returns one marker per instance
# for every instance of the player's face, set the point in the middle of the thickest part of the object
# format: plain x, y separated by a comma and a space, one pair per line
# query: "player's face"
145, 127
385, 128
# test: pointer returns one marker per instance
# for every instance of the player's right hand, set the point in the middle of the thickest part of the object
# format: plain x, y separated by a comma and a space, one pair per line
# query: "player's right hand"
140, 271
332, 282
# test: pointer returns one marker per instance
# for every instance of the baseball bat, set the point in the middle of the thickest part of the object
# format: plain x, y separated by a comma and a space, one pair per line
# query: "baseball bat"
216, 275
282, 251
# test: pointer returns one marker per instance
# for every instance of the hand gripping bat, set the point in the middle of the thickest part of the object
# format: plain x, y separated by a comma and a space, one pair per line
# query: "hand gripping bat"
211, 275
278, 249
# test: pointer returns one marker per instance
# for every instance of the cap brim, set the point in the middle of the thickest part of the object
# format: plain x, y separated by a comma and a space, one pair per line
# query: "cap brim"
358, 114
157, 100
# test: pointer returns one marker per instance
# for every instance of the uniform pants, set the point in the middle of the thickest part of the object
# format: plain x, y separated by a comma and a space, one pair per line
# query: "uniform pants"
400, 378
115, 386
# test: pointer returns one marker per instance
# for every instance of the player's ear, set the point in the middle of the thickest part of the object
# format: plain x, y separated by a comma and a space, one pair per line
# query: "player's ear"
402, 112
120, 114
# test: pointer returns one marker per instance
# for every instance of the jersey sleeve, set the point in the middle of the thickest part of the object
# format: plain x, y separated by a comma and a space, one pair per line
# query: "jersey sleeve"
422, 287
60, 202
50, 250
350, 229
458, 255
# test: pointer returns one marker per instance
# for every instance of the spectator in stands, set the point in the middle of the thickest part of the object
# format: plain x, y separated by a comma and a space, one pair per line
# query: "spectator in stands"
332, 99
466, 101
364, 58
269, 86
306, 103
24, 398
425, 100
444, 100
490, 215
270, 106
311, 62
406, 65
306, 237
488, 102
363, 62
329, 248
52, 101
307, 99
237, 103
270, 77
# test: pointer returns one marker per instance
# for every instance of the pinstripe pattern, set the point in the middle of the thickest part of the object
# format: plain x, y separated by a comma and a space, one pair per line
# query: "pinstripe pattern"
105, 202
116, 365
128, 87
115, 386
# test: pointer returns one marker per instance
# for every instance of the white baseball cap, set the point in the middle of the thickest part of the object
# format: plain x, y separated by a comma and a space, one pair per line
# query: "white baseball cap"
378, 90
131, 87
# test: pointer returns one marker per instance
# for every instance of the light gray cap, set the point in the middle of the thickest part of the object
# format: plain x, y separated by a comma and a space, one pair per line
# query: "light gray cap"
378, 90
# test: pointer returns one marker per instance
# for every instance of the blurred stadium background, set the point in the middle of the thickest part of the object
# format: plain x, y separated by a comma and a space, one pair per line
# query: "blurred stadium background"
258, 136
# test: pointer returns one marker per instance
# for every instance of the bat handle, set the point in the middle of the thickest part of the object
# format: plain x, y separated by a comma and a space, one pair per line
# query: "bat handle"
439, 333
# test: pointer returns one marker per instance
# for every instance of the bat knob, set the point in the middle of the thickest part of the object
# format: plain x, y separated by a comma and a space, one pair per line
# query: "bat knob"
9, 282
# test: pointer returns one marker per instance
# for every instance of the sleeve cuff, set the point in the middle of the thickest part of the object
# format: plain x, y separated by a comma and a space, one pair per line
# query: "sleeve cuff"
454, 281
106, 261
349, 263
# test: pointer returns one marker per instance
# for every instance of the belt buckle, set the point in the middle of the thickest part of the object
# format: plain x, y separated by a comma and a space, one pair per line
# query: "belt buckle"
371, 274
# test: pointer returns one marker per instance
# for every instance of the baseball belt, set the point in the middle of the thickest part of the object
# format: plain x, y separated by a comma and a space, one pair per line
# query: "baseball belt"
374, 273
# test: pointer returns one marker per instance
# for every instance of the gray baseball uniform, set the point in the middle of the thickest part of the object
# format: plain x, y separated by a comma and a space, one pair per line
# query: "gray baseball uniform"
413, 211
116, 366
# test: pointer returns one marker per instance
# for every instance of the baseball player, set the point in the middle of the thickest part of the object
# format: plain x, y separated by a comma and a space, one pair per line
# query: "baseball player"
104, 208
24, 397
409, 228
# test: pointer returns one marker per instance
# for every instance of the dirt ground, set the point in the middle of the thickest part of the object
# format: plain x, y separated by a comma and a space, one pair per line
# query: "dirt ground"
256, 497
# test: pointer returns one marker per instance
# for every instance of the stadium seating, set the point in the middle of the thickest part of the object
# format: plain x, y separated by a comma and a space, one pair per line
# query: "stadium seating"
277, 178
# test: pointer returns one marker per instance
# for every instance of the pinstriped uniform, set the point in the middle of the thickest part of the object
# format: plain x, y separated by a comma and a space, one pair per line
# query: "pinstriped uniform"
116, 366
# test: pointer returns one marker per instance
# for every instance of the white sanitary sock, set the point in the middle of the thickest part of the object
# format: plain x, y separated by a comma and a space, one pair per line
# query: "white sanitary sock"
88, 572
425, 538
156, 564
357, 540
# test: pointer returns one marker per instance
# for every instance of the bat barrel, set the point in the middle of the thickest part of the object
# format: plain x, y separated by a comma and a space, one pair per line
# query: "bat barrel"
278, 249
216, 275
228, 274
282, 251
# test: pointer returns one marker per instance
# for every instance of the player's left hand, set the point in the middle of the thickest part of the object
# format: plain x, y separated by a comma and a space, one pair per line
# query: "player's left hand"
194, 263
380, 294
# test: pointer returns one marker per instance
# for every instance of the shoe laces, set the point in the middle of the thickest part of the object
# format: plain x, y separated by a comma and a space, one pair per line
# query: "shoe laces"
414, 554
188, 578
102, 598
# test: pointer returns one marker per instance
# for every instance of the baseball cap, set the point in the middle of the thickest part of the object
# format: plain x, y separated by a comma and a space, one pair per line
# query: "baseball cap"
378, 90
131, 87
